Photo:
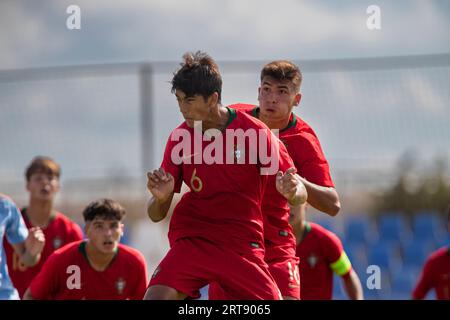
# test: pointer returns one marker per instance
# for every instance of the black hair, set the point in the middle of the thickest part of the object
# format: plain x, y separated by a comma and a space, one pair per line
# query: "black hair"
104, 208
198, 75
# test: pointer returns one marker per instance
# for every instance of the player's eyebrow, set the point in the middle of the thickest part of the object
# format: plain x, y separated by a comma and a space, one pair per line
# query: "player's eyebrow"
283, 86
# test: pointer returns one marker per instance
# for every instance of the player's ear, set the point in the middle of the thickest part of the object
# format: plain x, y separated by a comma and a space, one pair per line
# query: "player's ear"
87, 225
213, 99
58, 185
297, 99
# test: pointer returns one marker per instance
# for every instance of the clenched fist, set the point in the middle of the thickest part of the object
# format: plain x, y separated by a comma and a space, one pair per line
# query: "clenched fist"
291, 187
160, 184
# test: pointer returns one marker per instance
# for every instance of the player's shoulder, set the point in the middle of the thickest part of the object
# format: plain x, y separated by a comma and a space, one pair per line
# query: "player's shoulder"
181, 126
324, 234
248, 108
300, 128
6, 200
4, 197
62, 219
180, 130
67, 251
8, 207
130, 253
302, 125
246, 120
439, 254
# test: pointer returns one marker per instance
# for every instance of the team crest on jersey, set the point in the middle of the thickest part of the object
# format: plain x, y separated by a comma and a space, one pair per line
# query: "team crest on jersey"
312, 260
120, 285
57, 242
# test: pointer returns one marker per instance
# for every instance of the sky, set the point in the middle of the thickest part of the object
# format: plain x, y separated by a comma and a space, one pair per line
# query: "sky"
91, 124
34, 33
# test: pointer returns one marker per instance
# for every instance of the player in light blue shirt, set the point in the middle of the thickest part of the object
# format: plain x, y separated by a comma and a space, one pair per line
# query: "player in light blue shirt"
28, 244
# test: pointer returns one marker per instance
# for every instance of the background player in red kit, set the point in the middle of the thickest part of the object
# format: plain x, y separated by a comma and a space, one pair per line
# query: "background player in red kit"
436, 273
321, 254
278, 94
216, 231
99, 268
42, 177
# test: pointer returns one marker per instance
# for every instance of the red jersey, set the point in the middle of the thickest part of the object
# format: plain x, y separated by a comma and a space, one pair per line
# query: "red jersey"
224, 201
59, 232
67, 275
321, 253
435, 275
305, 150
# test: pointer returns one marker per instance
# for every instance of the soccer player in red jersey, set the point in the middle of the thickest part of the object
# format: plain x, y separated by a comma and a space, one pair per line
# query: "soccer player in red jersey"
278, 94
216, 231
321, 254
436, 273
99, 268
42, 177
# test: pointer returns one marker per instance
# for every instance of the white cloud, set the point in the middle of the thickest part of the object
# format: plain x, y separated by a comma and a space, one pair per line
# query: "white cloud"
26, 37
233, 29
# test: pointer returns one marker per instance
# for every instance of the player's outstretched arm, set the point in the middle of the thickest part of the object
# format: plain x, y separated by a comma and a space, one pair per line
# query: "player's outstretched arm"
30, 250
291, 187
325, 199
352, 286
161, 186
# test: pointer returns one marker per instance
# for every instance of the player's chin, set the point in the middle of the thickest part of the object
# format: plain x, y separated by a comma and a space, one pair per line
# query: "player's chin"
45, 196
109, 246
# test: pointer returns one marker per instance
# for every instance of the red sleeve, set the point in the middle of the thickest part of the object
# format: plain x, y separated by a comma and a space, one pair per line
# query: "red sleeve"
168, 160
280, 160
285, 159
45, 283
75, 233
332, 246
425, 282
141, 278
311, 161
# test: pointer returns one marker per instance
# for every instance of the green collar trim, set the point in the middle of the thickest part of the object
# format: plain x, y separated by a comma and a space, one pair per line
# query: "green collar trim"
232, 114
292, 122
82, 250
292, 118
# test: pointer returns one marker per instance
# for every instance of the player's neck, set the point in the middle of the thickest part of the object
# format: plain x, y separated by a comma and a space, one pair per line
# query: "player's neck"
40, 212
218, 118
97, 259
274, 123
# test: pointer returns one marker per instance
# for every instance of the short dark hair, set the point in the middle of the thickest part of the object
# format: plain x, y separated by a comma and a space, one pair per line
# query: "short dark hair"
42, 164
283, 70
199, 74
104, 208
